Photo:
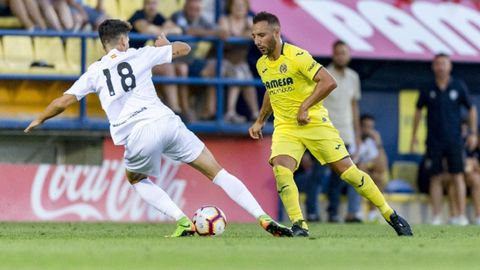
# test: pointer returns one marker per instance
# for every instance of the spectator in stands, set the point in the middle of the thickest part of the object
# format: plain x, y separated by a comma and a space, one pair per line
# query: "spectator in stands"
444, 99
472, 177
192, 22
4, 9
209, 10
238, 24
87, 16
342, 105
27, 11
148, 21
57, 14
372, 158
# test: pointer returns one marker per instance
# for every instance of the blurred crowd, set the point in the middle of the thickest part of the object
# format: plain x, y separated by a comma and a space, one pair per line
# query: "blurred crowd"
454, 174
195, 18
449, 169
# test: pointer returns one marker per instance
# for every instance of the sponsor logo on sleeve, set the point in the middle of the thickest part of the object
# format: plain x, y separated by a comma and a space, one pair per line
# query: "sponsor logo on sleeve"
312, 65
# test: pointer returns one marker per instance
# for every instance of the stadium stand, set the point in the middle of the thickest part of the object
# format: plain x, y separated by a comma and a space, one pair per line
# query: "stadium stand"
9, 22
26, 90
73, 48
111, 6
54, 57
22, 48
18, 52
406, 171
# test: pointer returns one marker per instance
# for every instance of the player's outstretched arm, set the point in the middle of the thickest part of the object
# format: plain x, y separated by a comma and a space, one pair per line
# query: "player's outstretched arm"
255, 130
56, 107
325, 85
178, 48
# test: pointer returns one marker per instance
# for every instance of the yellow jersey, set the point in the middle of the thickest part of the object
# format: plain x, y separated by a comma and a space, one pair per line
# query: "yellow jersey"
288, 82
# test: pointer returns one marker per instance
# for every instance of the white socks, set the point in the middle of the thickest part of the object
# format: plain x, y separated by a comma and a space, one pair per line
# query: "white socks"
235, 189
238, 192
156, 197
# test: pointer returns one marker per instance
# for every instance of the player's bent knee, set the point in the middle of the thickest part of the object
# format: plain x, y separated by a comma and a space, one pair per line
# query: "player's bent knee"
206, 164
134, 177
342, 165
284, 161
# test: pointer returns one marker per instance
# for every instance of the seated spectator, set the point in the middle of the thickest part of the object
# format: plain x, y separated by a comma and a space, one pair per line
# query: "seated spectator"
192, 22
86, 17
472, 176
28, 13
371, 157
57, 14
238, 24
472, 179
149, 21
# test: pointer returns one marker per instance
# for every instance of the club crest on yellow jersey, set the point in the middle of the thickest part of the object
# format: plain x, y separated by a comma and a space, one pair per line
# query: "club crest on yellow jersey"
283, 68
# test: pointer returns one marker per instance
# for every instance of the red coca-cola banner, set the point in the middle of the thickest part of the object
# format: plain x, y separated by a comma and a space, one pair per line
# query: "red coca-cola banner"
102, 193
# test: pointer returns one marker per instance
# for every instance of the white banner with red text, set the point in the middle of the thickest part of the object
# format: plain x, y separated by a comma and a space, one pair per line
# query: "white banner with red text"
45, 192
387, 29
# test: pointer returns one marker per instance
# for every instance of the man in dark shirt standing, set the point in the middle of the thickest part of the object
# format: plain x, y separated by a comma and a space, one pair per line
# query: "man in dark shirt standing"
444, 100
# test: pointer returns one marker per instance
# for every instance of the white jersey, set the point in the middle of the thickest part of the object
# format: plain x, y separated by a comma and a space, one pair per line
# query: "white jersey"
123, 83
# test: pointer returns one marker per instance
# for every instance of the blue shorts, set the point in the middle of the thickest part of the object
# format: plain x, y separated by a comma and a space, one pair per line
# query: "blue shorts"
94, 16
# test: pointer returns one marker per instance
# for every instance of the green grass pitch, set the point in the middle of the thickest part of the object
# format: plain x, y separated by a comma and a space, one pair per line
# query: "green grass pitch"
243, 246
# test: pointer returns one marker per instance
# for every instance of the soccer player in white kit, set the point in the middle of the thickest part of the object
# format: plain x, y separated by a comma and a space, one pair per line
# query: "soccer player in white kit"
146, 127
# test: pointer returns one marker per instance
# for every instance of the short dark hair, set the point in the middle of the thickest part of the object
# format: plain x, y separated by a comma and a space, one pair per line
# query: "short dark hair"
270, 18
439, 55
110, 30
339, 42
366, 116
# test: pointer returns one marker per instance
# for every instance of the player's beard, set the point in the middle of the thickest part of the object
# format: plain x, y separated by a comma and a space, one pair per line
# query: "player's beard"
271, 47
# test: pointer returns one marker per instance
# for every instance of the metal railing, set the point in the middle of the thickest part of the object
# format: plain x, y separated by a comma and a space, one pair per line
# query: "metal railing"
84, 122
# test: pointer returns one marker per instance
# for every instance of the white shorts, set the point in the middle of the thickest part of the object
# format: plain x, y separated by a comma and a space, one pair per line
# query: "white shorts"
168, 136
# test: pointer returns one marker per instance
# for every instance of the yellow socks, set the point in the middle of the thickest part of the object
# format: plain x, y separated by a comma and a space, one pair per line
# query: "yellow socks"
365, 186
288, 191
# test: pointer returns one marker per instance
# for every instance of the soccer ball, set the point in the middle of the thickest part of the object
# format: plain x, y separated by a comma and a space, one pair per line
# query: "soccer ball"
209, 220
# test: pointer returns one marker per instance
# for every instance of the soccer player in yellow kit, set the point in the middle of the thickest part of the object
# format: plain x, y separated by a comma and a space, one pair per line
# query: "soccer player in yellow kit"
295, 87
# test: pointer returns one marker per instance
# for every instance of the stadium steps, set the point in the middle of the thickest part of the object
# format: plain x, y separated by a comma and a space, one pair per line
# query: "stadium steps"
168, 7
50, 50
23, 99
10, 22
111, 6
127, 8
406, 171
165, 7
73, 51
3, 65
18, 53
